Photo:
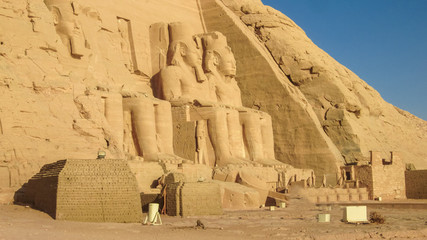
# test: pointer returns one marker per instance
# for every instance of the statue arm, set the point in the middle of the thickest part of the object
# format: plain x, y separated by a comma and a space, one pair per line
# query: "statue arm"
172, 87
171, 84
238, 96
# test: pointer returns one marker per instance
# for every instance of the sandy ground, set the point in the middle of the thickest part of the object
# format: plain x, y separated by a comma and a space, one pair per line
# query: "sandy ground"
295, 222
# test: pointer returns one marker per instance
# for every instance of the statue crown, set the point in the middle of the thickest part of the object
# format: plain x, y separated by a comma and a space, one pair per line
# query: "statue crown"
180, 32
214, 41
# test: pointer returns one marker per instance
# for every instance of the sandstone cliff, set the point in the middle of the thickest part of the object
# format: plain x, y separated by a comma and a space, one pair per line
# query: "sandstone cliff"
351, 113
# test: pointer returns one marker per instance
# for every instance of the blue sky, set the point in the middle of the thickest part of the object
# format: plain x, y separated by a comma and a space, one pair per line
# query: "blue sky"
383, 41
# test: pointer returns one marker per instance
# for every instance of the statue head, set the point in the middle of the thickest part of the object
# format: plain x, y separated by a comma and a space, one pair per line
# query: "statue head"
185, 48
218, 55
67, 26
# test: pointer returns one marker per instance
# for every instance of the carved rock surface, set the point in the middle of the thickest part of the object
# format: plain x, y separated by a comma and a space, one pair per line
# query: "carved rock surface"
53, 103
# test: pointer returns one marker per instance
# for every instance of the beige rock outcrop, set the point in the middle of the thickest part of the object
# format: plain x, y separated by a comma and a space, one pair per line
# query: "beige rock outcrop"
352, 113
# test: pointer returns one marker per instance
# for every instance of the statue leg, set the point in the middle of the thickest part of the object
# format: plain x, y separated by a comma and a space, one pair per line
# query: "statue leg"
267, 136
164, 128
114, 116
253, 137
143, 123
235, 134
218, 132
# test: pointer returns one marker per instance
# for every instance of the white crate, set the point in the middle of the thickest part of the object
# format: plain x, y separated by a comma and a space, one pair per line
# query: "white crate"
324, 217
355, 214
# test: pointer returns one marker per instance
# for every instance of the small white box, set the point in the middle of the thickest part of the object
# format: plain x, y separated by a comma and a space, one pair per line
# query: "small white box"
355, 214
324, 217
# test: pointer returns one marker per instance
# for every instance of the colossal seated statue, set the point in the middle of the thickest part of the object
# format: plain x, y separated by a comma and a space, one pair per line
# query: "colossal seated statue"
238, 135
150, 127
141, 125
220, 67
183, 82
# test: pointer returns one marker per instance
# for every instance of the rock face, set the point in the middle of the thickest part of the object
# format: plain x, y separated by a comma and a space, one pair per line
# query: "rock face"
351, 113
78, 76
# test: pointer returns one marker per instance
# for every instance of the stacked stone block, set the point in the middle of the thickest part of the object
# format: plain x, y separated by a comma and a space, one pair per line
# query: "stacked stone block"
40, 191
173, 199
388, 176
416, 184
98, 190
384, 176
193, 199
364, 175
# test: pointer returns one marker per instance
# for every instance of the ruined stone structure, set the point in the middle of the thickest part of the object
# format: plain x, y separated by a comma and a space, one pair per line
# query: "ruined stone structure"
95, 190
193, 199
224, 90
383, 175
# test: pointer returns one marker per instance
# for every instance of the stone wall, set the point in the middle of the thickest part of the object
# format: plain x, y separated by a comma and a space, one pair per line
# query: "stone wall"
416, 184
99, 190
238, 196
193, 199
364, 175
173, 197
331, 195
388, 175
383, 176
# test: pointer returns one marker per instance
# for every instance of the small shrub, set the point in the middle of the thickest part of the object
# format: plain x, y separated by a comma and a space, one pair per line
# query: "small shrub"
199, 224
375, 217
